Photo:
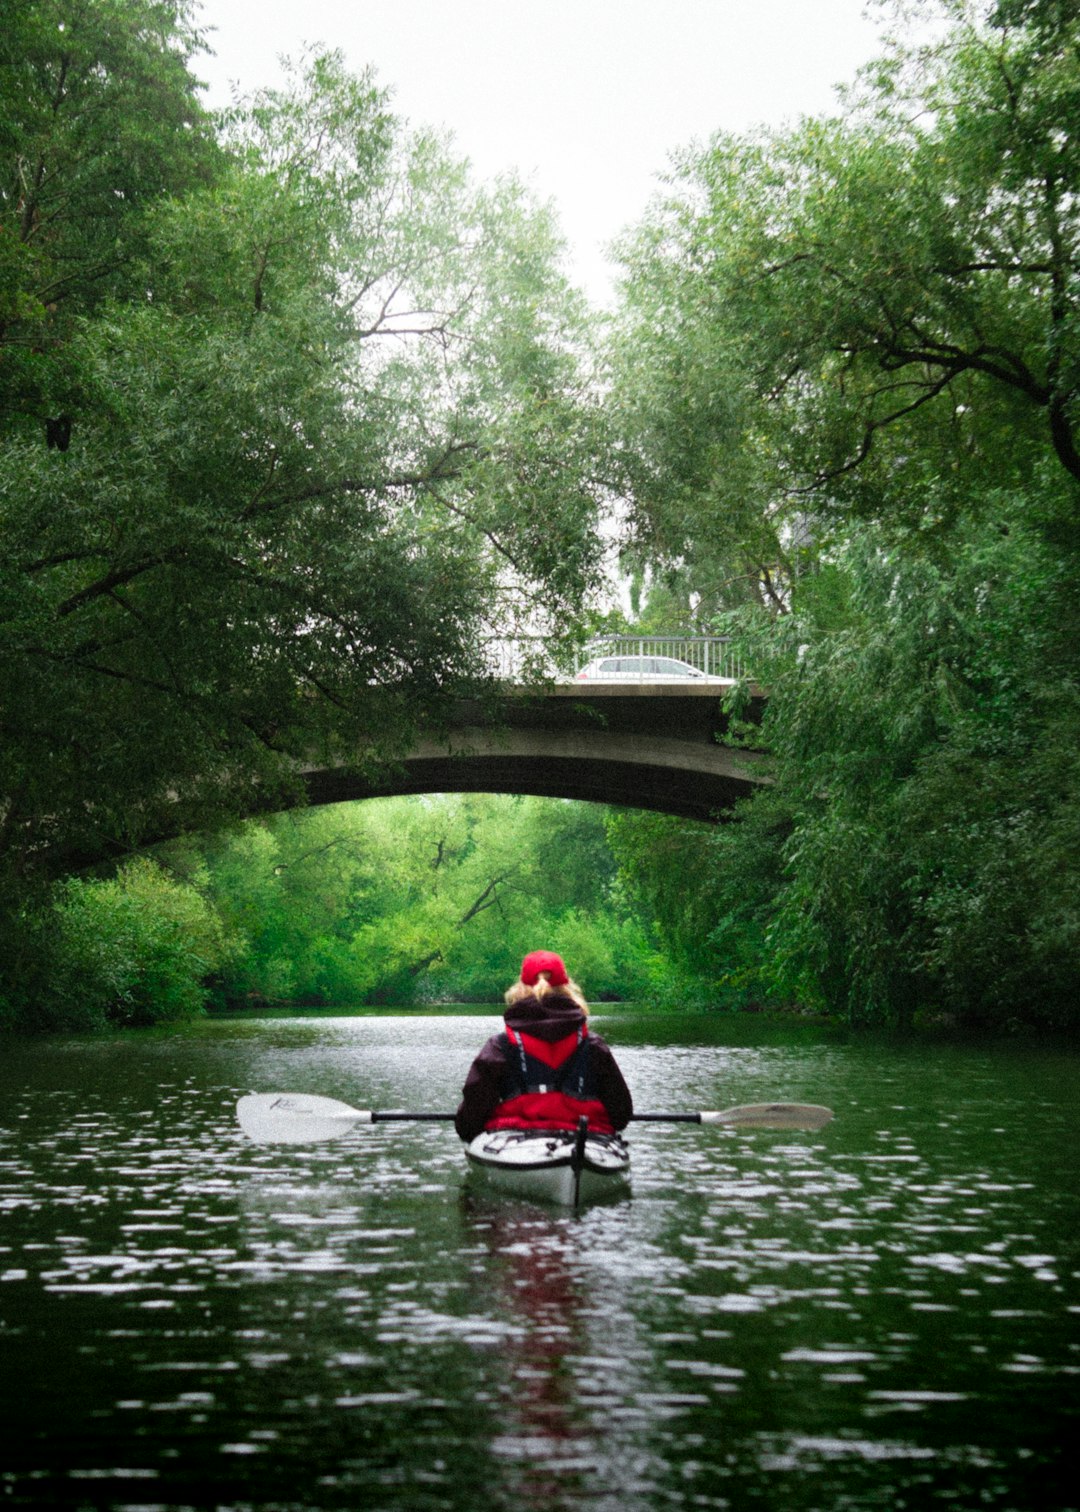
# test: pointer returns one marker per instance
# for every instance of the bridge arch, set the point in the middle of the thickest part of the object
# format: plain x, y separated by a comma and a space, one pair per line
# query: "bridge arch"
648, 746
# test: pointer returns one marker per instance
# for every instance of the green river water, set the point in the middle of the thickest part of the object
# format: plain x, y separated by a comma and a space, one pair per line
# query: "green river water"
880, 1314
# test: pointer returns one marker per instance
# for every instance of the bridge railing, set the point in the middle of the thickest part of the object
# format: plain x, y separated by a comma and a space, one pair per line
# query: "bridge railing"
710, 654
526, 658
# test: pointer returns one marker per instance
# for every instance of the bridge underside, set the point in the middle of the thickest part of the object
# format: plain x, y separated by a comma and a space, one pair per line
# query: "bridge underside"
622, 784
687, 773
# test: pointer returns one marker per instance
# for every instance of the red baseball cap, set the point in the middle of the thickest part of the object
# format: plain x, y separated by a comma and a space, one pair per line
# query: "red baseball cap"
547, 962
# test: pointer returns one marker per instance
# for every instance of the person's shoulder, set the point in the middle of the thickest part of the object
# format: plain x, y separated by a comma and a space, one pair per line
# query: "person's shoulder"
494, 1046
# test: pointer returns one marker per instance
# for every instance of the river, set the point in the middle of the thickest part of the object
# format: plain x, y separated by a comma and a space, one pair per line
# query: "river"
879, 1314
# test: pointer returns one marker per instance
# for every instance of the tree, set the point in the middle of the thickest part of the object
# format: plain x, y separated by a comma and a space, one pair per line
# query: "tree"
414, 899
311, 403
99, 119
864, 315
850, 363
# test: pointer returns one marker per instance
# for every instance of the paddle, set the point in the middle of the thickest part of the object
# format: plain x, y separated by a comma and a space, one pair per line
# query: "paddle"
303, 1118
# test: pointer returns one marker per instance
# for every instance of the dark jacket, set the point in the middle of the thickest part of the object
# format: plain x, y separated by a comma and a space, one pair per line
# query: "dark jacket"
551, 1019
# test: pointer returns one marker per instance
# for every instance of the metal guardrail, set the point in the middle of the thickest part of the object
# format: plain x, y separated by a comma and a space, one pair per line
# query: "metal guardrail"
709, 654
526, 658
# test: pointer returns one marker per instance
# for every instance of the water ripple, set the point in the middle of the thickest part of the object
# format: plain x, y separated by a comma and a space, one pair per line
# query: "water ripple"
883, 1310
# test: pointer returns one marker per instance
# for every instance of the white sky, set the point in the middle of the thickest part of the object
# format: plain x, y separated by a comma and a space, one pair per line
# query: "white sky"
585, 99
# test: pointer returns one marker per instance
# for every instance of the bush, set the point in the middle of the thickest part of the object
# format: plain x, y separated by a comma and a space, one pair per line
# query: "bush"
135, 950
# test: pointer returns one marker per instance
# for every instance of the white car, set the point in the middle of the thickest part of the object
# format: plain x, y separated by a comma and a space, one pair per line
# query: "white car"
638, 669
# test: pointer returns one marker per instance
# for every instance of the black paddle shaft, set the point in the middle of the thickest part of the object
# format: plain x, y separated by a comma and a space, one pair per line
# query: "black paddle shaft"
666, 1117
412, 1117
449, 1117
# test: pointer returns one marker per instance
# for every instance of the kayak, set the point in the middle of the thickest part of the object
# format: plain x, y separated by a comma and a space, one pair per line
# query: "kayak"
550, 1166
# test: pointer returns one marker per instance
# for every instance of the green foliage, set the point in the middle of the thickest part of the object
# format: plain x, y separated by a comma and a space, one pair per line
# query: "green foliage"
866, 315
294, 418
99, 118
414, 900
847, 372
132, 951
329, 433
707, 896
664, 872
928, 751
917, 851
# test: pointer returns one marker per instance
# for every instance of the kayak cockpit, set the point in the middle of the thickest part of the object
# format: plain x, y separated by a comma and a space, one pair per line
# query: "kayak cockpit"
565, 1168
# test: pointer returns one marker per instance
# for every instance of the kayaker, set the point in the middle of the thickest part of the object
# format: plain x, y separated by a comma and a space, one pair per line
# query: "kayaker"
546, 1068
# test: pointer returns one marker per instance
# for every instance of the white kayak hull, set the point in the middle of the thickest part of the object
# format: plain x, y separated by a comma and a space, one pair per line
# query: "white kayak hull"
540, 1166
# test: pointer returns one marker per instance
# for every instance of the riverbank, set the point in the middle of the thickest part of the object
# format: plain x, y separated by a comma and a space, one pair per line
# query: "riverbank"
641, 1023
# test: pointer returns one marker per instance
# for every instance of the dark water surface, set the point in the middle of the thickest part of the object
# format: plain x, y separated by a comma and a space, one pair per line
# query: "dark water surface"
881, 1314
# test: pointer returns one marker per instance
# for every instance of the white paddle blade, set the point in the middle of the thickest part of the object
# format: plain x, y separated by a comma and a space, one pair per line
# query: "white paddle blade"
771, 1116
296, 1117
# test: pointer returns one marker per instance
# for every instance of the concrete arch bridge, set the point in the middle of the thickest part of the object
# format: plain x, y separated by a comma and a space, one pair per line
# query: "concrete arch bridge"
640, 735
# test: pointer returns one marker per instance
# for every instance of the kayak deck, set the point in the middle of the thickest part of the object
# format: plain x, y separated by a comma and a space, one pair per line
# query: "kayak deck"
541, 1166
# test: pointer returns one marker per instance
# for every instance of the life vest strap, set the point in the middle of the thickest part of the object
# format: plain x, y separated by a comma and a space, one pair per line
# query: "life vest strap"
553, 1053
535, 1104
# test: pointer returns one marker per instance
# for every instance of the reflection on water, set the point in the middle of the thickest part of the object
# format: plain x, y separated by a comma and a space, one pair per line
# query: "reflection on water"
882, 1313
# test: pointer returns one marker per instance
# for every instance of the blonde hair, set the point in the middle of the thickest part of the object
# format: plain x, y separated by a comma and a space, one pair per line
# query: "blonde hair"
545, 989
